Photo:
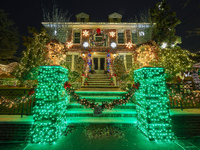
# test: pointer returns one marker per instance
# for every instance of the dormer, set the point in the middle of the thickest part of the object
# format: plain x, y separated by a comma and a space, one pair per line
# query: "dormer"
82, 17
114, 17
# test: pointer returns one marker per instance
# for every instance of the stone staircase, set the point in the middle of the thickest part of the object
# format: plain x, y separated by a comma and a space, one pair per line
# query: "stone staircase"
98, 81
124, 115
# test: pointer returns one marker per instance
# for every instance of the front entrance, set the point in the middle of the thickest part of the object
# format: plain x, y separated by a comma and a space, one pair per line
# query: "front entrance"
99, 64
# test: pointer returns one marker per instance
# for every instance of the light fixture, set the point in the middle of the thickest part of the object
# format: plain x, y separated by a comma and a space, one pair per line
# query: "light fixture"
141, 33
113, 45
164, 45
85, 44
55, 32
114, 55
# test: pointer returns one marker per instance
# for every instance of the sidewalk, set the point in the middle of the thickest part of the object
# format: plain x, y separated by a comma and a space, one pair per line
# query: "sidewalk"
134, 140
29, 119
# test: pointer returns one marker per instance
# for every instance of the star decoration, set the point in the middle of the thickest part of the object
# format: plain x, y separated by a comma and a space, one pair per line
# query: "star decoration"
85, 33
112, 34
69, 44
129, 45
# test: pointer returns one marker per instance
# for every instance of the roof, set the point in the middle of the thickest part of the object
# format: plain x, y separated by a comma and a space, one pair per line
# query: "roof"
115, 15
82, 15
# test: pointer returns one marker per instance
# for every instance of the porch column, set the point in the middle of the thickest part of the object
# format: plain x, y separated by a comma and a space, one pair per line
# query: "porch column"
51, 104
153, 117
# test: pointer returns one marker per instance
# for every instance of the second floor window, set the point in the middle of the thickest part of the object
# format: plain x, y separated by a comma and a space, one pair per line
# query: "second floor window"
120, 38
77, 37
99, 38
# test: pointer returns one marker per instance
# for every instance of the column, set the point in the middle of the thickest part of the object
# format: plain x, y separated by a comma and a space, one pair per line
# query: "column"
153, 117
51, 104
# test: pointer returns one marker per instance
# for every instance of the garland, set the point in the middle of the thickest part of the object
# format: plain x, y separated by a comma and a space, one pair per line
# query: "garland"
6, 102
105, 105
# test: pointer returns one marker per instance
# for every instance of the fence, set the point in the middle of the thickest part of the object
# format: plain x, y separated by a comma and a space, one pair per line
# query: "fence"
183, 96
25, 107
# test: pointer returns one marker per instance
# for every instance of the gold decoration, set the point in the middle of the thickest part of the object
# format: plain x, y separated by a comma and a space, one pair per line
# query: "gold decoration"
85, 33
69, 44
112, 34
145, 55
55, 51
129, 45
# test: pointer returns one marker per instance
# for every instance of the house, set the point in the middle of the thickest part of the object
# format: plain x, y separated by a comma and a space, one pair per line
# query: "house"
99, 38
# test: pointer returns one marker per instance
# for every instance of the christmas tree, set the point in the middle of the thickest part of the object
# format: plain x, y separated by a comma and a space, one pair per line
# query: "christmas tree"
118, 67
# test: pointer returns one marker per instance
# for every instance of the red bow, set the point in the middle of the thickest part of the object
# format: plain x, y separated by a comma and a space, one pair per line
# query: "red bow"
98, 30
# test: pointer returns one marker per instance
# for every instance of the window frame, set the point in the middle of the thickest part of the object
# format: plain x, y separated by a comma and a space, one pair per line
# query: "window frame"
75, 38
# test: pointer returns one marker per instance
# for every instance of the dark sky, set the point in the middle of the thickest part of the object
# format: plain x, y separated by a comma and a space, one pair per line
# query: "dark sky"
29, 13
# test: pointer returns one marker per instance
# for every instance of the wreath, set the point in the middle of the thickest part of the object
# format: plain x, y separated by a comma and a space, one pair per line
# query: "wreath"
98, 32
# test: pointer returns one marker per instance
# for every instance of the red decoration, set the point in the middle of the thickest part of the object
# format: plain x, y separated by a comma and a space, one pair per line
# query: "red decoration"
108, 51
83, 74
115, 75
89, 50
67, 85
31, 92
98, 30
136, 85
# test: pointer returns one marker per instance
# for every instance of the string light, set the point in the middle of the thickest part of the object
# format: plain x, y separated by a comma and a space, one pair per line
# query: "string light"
85, 33
69, 44
112, 34
50, 109
153, 117
129, 45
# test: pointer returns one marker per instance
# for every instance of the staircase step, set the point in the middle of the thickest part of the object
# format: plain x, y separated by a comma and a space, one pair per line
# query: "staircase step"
98, 83
74, 104
98, 86
101, 81
104, 120
106, 111
101, 93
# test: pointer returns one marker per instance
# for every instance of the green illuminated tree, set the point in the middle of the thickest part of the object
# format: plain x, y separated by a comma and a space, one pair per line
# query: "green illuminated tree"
8, 38
165, 22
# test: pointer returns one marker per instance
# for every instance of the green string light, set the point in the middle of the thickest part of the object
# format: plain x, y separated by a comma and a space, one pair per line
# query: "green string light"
153, 117
51, 102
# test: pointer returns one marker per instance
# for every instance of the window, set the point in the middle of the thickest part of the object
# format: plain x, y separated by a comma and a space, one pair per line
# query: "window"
82, 19
120, 37
69, 60
134, 37
77, 37
114, 19
128, 61
99, 38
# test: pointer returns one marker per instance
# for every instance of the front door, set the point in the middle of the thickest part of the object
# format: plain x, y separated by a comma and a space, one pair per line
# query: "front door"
99, 64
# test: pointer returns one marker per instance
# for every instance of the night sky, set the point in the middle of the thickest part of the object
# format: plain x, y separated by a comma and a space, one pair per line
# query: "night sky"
29, 13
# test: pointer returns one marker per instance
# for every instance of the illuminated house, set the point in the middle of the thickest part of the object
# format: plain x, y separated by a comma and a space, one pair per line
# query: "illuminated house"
119, 38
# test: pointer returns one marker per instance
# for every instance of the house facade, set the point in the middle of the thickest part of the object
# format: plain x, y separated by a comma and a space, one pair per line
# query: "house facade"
99, 38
